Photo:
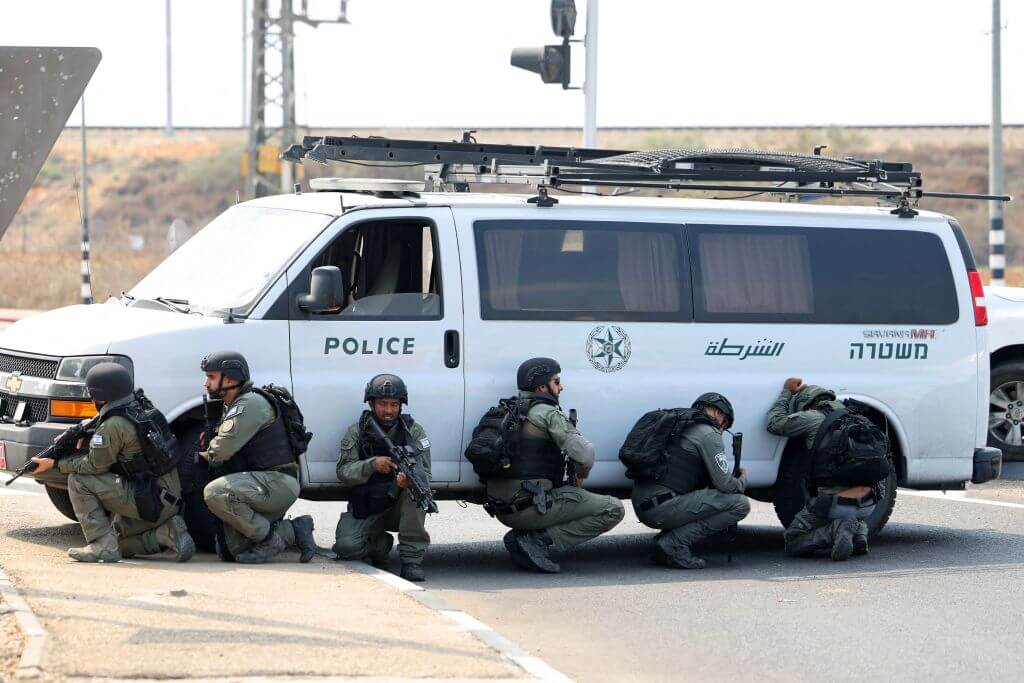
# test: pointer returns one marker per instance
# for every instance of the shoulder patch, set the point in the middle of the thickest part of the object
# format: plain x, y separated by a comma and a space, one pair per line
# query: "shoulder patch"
425, 443
98, 440
722, 462
234, 410
226, 426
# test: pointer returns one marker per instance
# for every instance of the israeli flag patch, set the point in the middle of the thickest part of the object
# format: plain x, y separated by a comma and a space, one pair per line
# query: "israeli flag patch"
98, 440
425, 443
234, 410
722, 462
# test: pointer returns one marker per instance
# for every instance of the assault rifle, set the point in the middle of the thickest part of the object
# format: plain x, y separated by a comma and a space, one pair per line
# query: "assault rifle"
570, 464
62, 446
737, 453
404, 458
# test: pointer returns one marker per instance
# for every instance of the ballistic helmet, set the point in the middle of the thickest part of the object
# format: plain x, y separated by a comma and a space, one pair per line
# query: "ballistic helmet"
717, 401
536, 372
810, 396
231, 364
386, 386
108, 382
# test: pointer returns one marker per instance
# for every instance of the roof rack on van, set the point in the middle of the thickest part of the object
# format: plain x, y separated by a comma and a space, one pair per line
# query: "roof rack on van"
453, 165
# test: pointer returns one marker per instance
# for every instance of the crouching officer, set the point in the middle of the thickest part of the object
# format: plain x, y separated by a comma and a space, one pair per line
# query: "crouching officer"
380, 502
257, 473
530, 496
695, 496
824, 523
125, 490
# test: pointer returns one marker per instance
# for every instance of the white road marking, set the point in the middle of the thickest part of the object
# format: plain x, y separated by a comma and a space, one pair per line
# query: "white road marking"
958, 496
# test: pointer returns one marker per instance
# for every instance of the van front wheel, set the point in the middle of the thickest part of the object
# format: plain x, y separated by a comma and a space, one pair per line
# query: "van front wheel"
791, 492
61, 500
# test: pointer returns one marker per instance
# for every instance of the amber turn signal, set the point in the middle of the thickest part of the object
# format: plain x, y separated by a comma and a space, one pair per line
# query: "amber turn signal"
76, 409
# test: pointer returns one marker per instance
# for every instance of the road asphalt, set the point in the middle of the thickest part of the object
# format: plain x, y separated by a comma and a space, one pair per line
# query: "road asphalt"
939, 597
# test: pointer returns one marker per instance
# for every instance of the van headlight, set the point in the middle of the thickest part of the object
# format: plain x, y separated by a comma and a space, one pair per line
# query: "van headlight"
74, 368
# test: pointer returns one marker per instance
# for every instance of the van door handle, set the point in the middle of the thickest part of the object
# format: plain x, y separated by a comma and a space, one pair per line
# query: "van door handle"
451, 349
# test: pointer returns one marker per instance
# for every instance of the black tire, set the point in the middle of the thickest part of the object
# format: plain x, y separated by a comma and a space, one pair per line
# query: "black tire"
61, 500
1006, 404
194, 477
791, 490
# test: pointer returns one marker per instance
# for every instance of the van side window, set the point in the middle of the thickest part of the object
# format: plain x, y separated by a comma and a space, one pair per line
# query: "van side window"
389, 269
577, 270
821, 275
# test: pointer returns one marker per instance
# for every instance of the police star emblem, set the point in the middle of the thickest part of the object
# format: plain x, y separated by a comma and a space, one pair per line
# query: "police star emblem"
608, 348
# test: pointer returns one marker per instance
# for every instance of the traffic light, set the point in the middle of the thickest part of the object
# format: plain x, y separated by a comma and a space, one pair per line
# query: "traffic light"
552, 62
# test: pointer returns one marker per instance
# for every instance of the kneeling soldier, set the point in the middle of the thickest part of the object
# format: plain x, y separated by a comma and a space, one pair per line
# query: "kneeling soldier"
530, 496
379, 501
833, 518
258, 478
125, 490
694, 496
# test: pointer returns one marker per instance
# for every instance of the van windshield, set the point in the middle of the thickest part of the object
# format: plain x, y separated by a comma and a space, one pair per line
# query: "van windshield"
232, 261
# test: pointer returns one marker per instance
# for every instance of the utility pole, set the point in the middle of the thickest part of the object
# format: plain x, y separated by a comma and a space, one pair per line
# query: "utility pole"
272, 85
590, 79
86, 278
245, 63
996, 234
169, 130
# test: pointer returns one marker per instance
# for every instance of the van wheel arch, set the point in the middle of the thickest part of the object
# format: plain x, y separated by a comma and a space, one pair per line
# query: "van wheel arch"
790, 493
1006, 368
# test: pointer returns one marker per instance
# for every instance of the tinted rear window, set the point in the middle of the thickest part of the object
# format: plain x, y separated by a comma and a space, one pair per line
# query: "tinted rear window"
776, 274
579, 270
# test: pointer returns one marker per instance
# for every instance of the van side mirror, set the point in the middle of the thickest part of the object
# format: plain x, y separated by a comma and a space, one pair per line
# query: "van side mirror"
326, 291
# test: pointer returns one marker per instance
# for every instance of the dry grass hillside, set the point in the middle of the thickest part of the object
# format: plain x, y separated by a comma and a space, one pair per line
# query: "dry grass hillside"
140, 181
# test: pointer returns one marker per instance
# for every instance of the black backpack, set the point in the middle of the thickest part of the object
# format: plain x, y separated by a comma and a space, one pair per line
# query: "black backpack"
644, 451
849, 449
294, 424
496, 438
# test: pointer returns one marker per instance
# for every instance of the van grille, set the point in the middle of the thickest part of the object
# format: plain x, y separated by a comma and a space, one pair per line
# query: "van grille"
38, 408
26, 365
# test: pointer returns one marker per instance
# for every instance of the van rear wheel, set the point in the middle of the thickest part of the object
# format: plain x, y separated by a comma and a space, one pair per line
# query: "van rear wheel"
791, 491
61, 500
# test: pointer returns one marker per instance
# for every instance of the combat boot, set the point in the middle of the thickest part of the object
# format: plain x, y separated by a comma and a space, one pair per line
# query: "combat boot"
263, 551
842, 545
103, 549
303, 528
860, 544
413, 572
529, 551
676, 557
380, 548
173, 535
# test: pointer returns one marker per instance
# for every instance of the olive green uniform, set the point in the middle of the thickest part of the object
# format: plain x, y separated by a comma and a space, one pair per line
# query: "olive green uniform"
576, 515
103, 501
689, 517
804, 424
249, 503
354, 538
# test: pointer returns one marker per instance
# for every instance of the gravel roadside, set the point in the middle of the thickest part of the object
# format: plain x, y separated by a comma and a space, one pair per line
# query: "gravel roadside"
10, 642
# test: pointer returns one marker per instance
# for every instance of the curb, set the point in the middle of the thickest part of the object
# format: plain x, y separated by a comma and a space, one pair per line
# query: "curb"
31, 663
534, 666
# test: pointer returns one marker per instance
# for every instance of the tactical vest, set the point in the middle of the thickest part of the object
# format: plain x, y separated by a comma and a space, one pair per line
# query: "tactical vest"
380, 491
268, 449
683, 471
158, 455
537, 456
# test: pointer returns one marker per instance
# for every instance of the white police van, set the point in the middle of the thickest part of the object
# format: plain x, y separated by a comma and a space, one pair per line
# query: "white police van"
645, 302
